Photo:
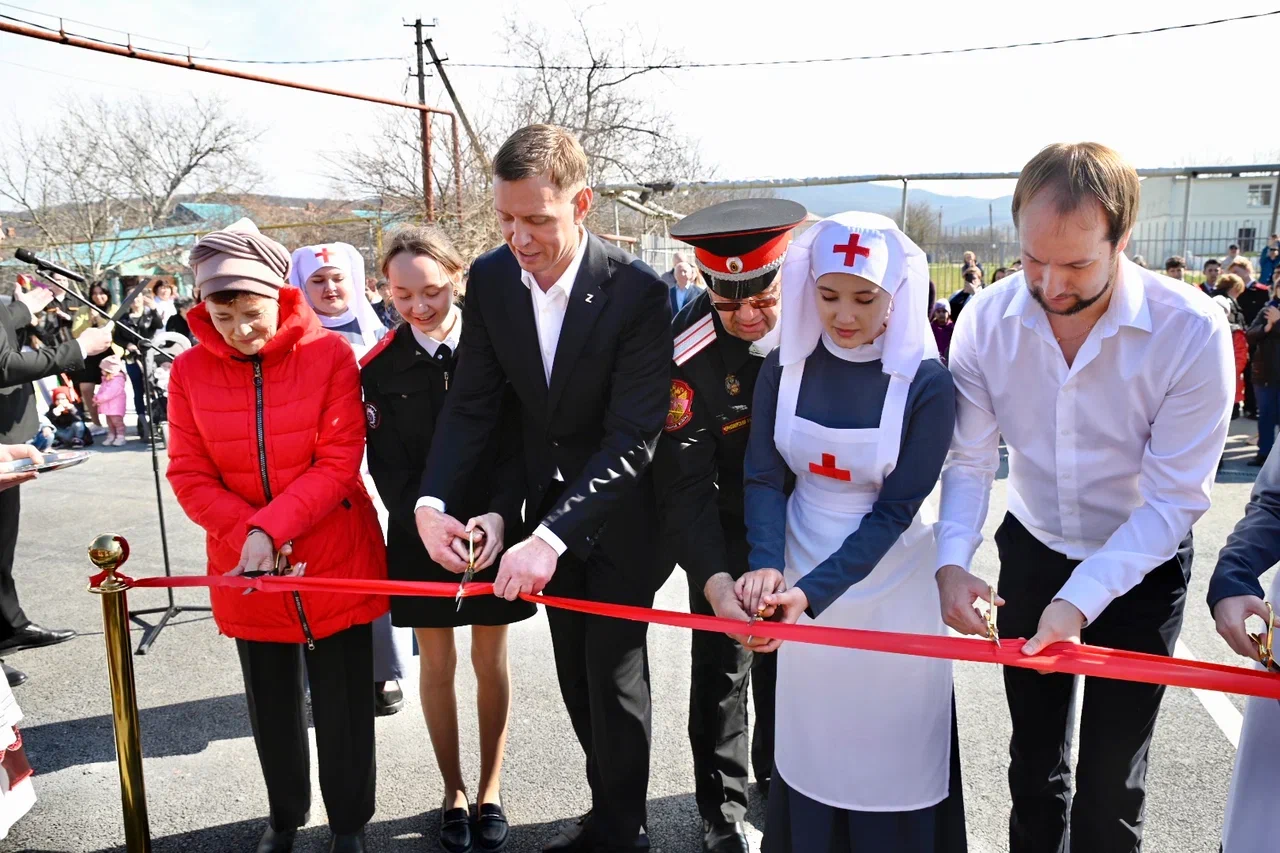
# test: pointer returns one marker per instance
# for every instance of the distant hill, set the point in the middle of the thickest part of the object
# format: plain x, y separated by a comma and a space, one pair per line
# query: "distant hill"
957, 211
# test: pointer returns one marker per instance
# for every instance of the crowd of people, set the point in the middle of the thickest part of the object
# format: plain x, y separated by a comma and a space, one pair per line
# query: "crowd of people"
771, 419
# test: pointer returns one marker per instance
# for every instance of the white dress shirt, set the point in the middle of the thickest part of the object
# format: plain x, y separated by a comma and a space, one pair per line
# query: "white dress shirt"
1111, 459
549, 308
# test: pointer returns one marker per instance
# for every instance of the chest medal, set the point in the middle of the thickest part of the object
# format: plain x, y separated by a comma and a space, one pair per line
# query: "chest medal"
732, 385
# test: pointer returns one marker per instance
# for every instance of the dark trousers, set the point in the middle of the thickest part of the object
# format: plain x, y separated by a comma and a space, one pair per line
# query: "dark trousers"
340, 672
134, 369
1250, 399
12, 619
1268, 397
1106, 812
721, 671
603, 668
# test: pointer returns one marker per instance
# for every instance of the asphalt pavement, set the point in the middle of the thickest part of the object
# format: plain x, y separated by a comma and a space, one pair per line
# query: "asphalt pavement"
204, 788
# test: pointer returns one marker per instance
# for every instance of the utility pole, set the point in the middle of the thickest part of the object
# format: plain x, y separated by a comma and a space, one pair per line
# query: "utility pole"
457, 107
428, 200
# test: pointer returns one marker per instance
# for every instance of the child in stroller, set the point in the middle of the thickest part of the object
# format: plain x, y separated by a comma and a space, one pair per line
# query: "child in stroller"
166, 347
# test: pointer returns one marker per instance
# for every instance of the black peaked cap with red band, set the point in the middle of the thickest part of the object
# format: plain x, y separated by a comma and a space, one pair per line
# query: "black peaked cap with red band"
740, 244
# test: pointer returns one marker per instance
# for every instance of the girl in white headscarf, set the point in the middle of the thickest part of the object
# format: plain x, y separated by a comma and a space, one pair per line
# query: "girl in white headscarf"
331, 277
856, 406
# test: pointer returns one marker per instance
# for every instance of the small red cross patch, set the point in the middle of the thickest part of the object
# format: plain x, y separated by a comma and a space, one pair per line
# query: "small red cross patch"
828, 469
324, 253
851, 250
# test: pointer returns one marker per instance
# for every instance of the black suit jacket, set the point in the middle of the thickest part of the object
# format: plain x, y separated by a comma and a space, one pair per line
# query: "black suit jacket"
18, 422
598, 422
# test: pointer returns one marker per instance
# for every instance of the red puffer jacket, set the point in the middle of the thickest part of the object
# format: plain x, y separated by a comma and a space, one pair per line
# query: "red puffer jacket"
304, 435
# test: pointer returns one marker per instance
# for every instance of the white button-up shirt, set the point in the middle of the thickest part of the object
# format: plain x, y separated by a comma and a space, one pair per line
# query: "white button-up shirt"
1111, 459
549, 307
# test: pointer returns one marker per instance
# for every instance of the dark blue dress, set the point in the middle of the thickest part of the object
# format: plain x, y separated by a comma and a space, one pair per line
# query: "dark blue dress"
850, 395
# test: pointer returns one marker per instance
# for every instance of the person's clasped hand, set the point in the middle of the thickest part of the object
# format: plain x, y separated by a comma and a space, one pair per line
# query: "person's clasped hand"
754, 591
438, 532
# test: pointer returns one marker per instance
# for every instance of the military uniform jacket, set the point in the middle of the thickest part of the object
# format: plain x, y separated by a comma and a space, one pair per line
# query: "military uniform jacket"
404, 391
698, 466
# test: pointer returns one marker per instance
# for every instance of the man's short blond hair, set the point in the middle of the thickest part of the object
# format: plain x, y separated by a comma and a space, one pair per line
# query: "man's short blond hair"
1078, 171
543, 149
1242, 261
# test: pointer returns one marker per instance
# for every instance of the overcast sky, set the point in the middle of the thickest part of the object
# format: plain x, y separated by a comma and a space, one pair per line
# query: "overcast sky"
1195, 96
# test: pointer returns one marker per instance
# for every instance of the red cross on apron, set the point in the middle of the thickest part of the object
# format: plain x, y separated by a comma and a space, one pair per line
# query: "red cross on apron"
828, 468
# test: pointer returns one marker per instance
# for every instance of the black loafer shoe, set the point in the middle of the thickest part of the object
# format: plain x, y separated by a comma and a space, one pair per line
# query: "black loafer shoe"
725, 838
455, 830
348, 843
387, 702
491, 828
14, 676
33, 637
277, 842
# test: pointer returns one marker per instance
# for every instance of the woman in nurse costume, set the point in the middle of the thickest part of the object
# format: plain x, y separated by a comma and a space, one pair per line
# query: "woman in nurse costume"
331, 277
862, 413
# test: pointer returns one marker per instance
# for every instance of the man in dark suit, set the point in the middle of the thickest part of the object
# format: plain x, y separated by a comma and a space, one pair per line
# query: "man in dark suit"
580, 330
18, 425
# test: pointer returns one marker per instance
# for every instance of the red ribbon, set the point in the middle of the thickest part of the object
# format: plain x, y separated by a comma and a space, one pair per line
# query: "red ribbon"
1060, 657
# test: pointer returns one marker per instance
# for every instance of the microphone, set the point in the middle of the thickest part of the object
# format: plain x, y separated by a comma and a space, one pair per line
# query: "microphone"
29, 257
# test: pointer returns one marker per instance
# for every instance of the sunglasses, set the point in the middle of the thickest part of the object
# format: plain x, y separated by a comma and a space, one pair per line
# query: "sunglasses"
765, 300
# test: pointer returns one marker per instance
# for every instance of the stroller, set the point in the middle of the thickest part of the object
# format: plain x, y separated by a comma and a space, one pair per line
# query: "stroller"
166, 347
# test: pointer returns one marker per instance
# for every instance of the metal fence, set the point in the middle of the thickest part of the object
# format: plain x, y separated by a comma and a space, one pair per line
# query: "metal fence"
1157, 241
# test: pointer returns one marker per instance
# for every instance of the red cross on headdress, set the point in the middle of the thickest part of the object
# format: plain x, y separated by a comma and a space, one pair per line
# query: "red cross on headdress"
323, 254
851, 250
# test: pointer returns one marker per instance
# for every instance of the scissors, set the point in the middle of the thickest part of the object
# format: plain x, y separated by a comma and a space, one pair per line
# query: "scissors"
281, 566
993, 633
1266, 642
470, 572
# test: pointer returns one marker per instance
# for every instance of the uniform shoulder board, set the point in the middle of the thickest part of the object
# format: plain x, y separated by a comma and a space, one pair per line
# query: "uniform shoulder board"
377, 348
694, 340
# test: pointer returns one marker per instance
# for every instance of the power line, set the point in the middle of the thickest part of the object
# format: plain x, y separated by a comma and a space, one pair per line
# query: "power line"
185, 54
662, 66
681, 66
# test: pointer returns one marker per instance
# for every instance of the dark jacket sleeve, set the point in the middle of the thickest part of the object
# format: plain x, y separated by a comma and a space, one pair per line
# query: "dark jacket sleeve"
1258, 329
19, 368
509, 490
1254, 546
684, 476
925, 442
765, 475
390, 465
471, 411
637, 408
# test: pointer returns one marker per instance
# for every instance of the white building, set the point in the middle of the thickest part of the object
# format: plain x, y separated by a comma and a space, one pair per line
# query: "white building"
1224, 209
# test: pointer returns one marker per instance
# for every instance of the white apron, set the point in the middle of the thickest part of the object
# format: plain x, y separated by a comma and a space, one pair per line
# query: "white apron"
858, 730
1252, 822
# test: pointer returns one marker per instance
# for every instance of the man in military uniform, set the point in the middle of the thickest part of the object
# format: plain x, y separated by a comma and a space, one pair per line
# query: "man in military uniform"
721, 339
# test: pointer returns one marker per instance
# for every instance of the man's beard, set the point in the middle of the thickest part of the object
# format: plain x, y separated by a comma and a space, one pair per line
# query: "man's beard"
1080, 304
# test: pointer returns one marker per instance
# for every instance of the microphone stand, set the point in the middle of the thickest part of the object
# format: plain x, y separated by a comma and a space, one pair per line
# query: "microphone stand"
150, 632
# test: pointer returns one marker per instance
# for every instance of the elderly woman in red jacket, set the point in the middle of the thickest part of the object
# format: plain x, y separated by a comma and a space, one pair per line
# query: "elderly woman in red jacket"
266, 439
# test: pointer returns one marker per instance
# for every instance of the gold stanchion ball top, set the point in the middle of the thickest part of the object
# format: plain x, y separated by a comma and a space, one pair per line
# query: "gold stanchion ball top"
108, 552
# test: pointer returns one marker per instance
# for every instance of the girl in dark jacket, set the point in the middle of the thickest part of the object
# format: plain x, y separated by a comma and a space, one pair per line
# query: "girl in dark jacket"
405, 380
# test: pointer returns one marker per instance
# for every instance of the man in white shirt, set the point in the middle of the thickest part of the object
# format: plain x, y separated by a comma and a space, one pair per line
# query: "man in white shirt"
580, 331
1111, 387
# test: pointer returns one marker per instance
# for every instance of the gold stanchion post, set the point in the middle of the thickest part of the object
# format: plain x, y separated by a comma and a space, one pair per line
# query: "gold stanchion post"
108, 553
